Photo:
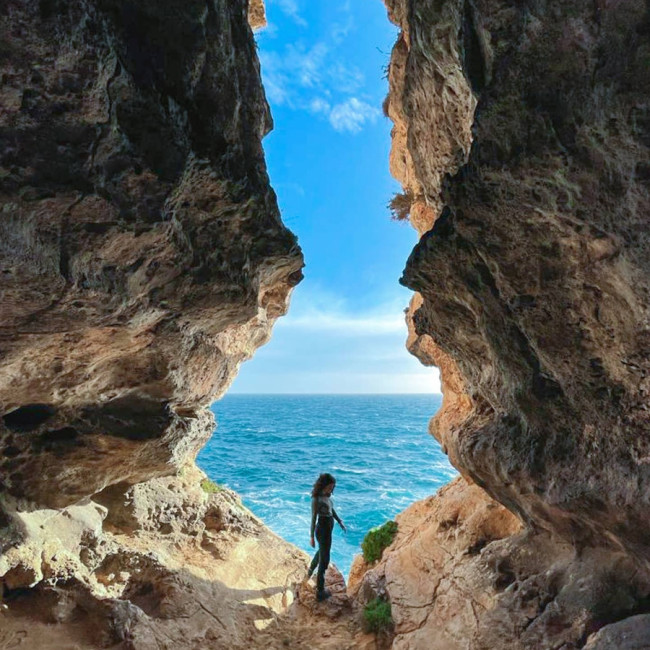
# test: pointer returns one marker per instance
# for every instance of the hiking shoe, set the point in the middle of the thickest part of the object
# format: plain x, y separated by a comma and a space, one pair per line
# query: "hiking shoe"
323, 595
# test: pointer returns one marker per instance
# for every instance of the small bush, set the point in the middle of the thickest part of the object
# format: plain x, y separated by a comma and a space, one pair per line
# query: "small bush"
210, 487
385, 108
377, 615
400, 206
377, 539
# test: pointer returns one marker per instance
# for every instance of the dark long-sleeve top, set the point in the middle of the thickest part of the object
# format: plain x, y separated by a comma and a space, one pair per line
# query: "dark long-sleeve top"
322, 506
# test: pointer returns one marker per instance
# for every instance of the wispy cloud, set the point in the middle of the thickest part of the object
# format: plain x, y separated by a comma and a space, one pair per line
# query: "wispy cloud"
304, 79
291, 9
328, 312
345, 78
316, 77
341, 29
307, 64
369, 325
319, 105
288, 74
329, 344
352, 114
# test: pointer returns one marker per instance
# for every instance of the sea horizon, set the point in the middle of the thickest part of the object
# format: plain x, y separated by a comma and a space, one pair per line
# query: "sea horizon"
322, 394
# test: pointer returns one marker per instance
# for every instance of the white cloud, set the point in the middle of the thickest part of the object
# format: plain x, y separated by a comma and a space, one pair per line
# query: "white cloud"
333, 322
352, 114
287, 78
317, 78
326, 344
319, 105
290, 8
307, 64
287, 75
346, 79
341, 29
329, 312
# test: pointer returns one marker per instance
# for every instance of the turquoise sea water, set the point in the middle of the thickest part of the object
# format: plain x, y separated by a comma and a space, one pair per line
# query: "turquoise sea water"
271, 448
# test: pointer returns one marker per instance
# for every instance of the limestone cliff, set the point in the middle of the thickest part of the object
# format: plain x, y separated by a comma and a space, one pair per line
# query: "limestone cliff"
522, 140
142, 259
143, 256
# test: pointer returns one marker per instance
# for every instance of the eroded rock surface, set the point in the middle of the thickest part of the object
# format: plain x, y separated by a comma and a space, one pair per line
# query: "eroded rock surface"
170, 562
142, 259
534, 278
142, 256
463, 573
522, 138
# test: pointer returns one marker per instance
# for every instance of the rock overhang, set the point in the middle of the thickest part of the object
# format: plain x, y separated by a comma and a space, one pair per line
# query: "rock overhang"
144, 257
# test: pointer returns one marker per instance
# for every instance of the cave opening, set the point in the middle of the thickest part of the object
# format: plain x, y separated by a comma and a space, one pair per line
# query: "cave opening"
171, 264
335, 388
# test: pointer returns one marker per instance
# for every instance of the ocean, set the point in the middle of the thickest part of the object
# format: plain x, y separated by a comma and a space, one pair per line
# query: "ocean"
271, 448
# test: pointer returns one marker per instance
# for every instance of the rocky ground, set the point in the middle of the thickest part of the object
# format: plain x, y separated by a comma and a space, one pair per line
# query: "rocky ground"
463, 572
166, 563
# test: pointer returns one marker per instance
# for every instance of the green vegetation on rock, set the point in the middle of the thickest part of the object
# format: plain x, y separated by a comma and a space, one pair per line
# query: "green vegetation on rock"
377, 615
377, 539
210, 487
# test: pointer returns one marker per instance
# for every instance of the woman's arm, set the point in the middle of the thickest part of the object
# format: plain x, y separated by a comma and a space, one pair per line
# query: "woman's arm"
337, 519
313, 520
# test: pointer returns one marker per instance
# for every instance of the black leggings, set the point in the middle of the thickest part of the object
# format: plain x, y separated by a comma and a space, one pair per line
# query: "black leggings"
324, 528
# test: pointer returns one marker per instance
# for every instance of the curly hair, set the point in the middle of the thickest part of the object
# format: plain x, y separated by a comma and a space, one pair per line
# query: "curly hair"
322, 481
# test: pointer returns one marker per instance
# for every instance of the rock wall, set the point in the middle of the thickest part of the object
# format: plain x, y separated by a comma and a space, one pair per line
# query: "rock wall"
142, 253
142, 259
534, 278
522, 140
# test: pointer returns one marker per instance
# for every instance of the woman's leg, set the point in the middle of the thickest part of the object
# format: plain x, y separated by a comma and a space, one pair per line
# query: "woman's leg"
324, 545
314, 564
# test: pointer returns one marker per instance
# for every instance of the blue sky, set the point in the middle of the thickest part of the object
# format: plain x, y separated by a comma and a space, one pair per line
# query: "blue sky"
323, 65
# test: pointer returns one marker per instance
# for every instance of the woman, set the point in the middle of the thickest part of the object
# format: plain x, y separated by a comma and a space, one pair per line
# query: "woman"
322, 507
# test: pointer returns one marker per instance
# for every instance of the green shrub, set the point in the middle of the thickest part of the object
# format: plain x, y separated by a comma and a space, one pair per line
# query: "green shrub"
377, 539
210, 487
377, 615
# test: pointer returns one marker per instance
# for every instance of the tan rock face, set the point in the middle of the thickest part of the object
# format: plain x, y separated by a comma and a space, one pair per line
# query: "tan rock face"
521, 135
256, 14
462, 574
162, 562
534, 279
422, 572
142, 253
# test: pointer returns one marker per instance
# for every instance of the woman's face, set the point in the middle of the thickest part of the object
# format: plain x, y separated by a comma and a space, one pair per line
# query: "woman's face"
328, 489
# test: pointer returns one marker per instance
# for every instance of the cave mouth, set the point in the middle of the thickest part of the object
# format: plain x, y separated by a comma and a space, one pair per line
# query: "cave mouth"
355, 404
155, 259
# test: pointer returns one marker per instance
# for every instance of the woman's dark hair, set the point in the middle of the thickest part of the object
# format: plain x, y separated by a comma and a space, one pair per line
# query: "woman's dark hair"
322, 481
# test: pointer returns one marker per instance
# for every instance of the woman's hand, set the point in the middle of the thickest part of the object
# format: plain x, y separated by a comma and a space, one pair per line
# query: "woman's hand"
311, 541
342, 525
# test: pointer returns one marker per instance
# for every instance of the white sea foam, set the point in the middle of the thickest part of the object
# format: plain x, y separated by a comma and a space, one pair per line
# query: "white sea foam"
349, 470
